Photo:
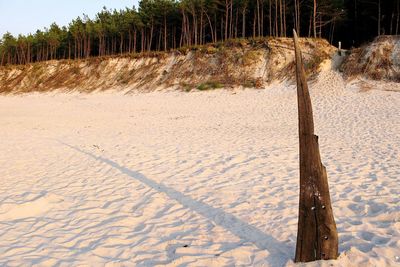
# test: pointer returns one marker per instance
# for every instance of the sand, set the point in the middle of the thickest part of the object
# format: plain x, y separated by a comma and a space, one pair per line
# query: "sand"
193, 179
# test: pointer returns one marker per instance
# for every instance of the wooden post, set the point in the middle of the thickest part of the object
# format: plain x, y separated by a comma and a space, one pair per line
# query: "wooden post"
317, 237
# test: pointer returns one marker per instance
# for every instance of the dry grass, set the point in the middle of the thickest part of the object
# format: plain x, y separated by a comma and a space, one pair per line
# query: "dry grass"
239, 62
376, 60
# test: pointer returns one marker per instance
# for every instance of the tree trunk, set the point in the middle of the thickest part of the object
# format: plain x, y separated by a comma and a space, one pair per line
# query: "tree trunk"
391, 23
315, 18
284, 18
165, 33
276, 19
332, 31
121, 44
258, 18
195, 27
231, 20
89, 47
281, 17
2, 59
297, 16
317, 236
226, 18
159, 40
262, 17
143, 42
320, 27
244, 23
254, 26
270, 18
201, 26
174, 37
151, 35
183, 29
211, 28
236, 24
398, 17
134, 40
379, 17
215, 28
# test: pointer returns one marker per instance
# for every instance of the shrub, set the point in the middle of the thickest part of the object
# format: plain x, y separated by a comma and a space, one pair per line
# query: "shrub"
209, 85
186, 87
258, 83
249, 84
312, 65
250, 57
211, 50
75, 70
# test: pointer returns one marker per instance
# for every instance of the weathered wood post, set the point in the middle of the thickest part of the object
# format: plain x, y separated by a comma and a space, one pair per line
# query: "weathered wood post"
317, 235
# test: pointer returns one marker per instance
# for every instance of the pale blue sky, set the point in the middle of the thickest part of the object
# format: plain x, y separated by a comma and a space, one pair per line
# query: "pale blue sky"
26, 16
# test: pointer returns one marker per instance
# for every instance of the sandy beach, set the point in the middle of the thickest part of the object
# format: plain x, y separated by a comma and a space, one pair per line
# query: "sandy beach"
193, 179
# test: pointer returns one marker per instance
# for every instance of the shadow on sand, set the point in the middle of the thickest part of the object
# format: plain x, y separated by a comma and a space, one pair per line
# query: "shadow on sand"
279, 252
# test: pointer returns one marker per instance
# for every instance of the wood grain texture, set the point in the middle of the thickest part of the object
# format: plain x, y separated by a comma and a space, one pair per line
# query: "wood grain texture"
317, 236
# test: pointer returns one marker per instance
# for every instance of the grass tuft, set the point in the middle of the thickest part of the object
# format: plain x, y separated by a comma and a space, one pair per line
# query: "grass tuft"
209, 85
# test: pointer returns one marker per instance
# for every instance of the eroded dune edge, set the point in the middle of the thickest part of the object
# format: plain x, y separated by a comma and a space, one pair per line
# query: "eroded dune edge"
233, 64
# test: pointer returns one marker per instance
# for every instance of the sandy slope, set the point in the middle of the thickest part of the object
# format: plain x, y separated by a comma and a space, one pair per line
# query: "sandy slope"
246, 63
199, 179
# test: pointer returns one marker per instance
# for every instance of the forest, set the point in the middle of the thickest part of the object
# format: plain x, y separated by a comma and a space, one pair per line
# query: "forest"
163, 25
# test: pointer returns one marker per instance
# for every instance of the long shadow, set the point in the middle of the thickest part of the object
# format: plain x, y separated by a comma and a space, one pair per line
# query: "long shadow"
279, 252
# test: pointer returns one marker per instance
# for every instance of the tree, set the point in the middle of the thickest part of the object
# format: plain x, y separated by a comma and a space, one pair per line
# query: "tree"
53, 39
147, 14
164, 9
166, 24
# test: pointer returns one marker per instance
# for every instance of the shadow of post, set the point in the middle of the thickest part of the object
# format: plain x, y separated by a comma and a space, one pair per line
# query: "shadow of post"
279, 252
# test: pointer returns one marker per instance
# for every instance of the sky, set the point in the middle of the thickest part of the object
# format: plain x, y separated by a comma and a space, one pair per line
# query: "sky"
26, 16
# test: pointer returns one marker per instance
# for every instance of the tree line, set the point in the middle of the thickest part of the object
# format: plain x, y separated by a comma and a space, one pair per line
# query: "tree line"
162, 25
